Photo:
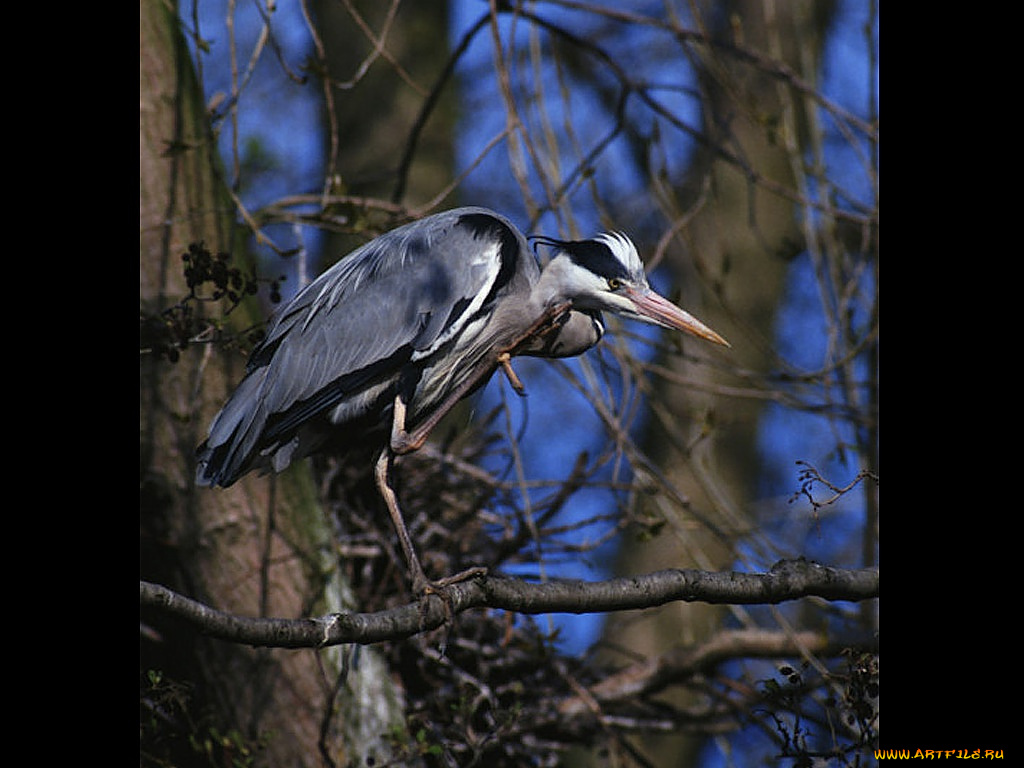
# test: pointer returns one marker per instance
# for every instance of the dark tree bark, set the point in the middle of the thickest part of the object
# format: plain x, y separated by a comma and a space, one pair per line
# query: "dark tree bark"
261, 547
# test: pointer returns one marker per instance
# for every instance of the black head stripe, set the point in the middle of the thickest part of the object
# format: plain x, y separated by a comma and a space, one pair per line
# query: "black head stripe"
592, 255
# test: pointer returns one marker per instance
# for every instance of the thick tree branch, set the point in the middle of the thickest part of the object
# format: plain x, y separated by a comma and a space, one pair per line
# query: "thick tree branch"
787, 580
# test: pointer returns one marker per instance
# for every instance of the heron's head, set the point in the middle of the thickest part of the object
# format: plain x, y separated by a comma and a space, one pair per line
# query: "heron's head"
605, 274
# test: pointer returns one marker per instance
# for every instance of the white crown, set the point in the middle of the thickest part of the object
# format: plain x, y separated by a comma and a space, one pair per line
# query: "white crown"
622, 248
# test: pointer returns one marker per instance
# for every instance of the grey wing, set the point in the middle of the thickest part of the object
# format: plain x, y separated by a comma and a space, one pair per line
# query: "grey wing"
394, 300
398, 298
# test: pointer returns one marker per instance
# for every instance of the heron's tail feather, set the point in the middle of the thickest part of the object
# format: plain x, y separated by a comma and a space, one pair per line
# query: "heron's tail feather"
227, 453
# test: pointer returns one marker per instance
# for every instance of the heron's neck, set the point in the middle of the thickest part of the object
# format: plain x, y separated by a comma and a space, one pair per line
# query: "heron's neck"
551, 287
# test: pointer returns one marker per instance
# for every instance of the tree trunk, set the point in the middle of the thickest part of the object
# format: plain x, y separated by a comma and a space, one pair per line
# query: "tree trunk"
247, 549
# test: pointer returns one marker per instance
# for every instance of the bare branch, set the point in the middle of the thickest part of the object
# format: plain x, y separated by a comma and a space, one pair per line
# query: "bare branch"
787, 580
681, 662
809, 476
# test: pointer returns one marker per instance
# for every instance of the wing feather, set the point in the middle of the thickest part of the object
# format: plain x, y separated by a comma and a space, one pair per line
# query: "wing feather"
396, 299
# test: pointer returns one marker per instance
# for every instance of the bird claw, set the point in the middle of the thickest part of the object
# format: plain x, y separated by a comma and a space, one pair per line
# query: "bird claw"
505, 360
422, 586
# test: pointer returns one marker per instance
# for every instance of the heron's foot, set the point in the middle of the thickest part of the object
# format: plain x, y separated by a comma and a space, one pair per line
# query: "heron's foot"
505, 361
422, 586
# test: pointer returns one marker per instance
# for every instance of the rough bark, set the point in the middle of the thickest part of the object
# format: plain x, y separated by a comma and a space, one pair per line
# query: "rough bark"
261, 548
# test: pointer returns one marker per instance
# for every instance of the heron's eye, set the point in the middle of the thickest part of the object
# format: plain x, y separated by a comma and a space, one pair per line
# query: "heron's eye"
614, 283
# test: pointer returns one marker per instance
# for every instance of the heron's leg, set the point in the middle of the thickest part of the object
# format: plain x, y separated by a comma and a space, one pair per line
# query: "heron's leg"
403, 442
382, 473
406, 442
421, 585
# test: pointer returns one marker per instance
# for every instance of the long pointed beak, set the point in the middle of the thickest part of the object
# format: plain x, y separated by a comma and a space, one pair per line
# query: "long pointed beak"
663, 312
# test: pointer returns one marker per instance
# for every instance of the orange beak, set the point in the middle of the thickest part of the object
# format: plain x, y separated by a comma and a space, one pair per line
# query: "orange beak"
663, 312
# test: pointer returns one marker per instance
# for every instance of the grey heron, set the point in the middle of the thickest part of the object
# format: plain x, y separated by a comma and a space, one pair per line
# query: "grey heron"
383, 344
